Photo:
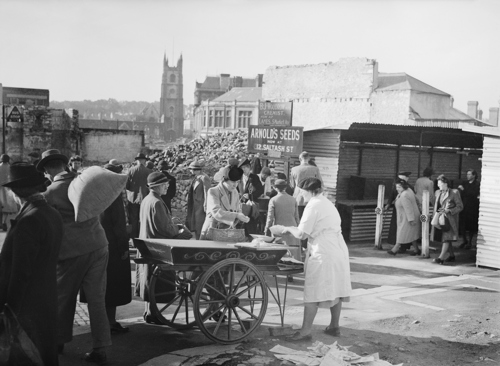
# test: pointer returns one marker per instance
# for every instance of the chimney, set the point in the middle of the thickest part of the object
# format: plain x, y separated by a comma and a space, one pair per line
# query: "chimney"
480, 114
375, 75
224, 81
237, 81
494, 116
258, 80
451, 102
472, 108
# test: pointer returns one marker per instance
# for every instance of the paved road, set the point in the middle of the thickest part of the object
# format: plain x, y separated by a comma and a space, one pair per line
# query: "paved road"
385, 287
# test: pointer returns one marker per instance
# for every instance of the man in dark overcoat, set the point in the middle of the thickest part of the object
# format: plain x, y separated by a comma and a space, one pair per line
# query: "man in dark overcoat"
251, 190
137, 190
28, 263
164, 167
196, 209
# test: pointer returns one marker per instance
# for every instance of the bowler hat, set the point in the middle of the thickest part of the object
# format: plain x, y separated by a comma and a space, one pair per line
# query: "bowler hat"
49, 155
141, 156
156, 179
280, 183
23, 175
196, 165
244, 162
234, 174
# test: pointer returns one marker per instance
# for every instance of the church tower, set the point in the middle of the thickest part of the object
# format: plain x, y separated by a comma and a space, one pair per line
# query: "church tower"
171, 101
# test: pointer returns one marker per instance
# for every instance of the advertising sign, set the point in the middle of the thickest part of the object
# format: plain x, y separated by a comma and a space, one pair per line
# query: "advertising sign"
275, 141
275, 114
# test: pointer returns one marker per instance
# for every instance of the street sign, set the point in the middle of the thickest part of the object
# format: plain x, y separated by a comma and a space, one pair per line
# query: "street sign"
15, 115
275, 114
287, 141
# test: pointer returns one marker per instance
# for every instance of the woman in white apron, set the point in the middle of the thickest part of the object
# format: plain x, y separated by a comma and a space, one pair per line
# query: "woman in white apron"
327, 270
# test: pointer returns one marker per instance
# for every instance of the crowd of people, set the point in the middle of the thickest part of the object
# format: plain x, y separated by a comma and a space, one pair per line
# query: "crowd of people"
455, 213
48, 258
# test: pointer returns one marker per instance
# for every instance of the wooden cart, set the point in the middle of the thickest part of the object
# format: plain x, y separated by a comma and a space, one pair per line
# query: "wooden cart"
219, 287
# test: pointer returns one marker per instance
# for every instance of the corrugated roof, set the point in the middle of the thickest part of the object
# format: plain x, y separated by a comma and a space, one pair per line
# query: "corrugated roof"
403, 81
241, 95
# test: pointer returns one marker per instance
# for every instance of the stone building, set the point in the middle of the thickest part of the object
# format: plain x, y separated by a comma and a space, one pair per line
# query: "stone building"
171, 101
236, 109
215, 86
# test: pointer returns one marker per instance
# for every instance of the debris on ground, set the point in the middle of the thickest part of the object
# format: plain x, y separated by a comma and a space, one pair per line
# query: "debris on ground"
320, 354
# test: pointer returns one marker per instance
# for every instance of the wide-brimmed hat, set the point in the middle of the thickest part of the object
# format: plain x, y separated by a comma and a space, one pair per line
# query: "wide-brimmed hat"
156, 179
196, 165
115, 162
141, 156
23, 175
234, 174
280, 183
244, 162
48, 155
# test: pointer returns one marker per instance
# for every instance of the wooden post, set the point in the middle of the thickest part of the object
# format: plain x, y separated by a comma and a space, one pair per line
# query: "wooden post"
425, 219
380, 217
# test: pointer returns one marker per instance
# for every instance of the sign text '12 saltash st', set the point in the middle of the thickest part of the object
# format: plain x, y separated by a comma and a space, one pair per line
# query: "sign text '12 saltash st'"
274, 135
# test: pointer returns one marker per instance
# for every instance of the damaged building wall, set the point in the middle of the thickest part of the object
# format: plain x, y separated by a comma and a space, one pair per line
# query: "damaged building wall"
102, 146
390, 107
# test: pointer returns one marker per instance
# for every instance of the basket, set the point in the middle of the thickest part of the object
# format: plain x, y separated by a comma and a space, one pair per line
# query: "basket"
227, 235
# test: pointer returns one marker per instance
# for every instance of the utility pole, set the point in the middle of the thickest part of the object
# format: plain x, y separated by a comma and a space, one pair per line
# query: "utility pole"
3, 129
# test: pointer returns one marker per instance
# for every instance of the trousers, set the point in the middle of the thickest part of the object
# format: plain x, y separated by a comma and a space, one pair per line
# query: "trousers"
87, 271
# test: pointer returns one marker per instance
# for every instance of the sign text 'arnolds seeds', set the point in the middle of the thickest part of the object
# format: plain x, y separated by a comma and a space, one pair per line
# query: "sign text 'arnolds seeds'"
275, 113
275, 141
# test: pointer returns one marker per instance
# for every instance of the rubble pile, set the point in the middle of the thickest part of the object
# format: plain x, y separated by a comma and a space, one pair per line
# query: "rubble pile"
214, 151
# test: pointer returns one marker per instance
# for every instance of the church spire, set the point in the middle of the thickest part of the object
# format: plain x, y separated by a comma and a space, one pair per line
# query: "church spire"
179, 63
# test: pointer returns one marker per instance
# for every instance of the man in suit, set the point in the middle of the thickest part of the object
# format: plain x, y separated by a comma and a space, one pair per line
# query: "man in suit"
196, 210
298, 174
251, 190
137, 190
163, 167
82, 261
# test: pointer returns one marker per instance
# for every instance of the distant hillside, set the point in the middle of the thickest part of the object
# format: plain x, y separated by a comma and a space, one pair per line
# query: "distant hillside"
106, 109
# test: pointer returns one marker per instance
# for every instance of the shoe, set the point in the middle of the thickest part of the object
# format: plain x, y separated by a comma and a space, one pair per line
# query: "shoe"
438, 261
118, 328
150, 319
418, 252
60, 348
335, 332
96, 357
297, 337
450, 259
391, 253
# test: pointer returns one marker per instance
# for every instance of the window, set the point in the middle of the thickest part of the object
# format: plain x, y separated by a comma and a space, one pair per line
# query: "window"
228, 119
205, 118
244, 118
172, 78
211, 118
219, 118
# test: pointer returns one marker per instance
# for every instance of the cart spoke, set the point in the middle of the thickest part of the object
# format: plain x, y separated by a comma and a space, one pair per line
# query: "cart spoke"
248, 288
248, 312
241, 279
168, 304
221, 281
242, 325
216, 290
177, 309
167, 293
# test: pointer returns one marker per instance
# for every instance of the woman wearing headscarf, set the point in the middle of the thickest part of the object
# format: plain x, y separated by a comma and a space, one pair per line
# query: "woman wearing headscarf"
28, 263
327, 270
449, 203
223, 202
408, 218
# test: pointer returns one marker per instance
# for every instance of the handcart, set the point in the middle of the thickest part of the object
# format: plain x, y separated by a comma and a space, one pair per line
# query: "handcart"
219, 287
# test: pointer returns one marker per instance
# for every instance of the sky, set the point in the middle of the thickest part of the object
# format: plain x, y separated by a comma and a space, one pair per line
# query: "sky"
90, 49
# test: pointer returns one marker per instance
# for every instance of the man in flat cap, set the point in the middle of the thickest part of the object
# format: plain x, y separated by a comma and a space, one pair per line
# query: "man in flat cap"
196, 210
137, 190
82, 261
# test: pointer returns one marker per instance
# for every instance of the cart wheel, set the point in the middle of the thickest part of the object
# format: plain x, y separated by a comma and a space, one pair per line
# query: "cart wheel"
230, 301
171, 296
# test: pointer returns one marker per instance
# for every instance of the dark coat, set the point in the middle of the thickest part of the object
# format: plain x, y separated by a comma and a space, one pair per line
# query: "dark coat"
137, 183
28, 283
171, 191
253, 187
470, 215
196, 209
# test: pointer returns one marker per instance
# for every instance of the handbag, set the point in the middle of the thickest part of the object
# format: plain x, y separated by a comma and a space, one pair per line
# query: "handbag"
15, 344
444, 222
250, 209
228, 234
435, 220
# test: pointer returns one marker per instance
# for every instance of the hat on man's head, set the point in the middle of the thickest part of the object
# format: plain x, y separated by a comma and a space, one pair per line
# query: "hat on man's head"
244, 162
114, 168
280, 183
196, 165
4, 158
234, 174
141, 156
23, 175
49, 155
114, 162
76, 158
156, 179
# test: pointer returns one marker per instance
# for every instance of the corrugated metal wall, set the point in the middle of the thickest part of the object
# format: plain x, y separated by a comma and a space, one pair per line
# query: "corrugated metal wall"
348, 165
488, 239
323, 145
378, 163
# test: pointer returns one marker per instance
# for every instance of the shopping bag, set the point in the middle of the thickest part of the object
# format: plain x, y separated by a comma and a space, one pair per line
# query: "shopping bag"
15, 344
435, 220
444, 222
